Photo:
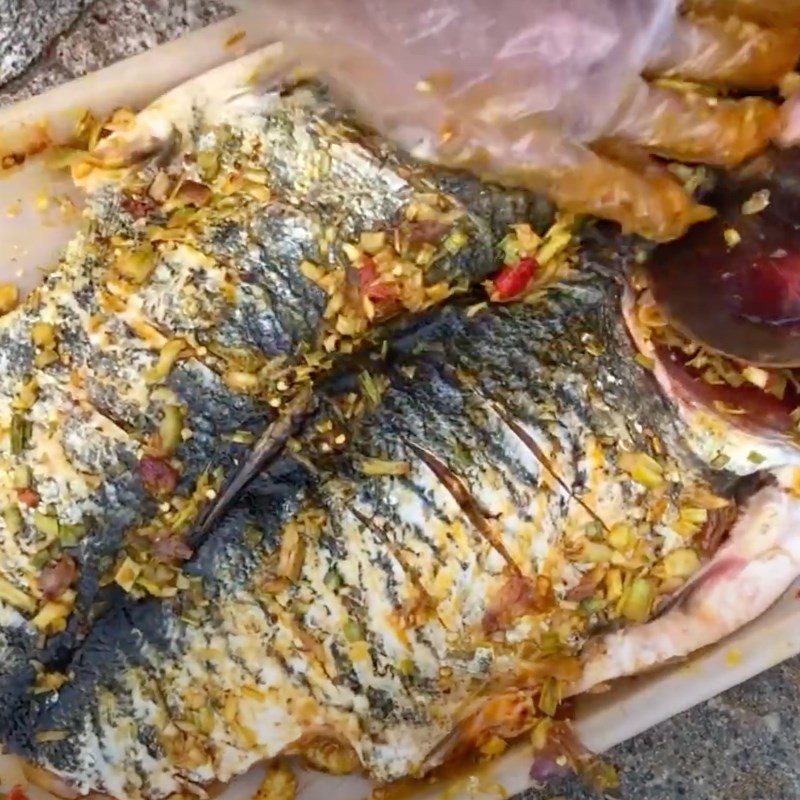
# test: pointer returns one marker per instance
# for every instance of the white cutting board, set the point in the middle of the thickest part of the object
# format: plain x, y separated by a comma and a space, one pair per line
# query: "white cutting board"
31, 240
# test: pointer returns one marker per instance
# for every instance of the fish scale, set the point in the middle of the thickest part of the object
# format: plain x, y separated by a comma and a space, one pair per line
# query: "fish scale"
329, 629
504, 487
529, 510
439, 431
445, 550
278, 306
562, 414
310, 126
184, 295
110, 359
382, 592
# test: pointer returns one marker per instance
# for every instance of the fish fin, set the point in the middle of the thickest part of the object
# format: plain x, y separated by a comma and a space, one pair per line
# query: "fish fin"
231, 90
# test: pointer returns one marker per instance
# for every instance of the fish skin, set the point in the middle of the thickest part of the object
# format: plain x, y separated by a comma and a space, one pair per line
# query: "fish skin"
404, 550
93, 443
326, 176
109, 336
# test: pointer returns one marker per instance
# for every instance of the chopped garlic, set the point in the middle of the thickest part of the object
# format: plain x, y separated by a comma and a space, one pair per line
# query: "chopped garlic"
41, 201
596, 553
644, 469
613, 584
16, 597
380, 466
170, 427
621, 537
639, 600
279, 783
695, 516
167, 357
756, 203
756, 376
290, 560
554, 243
732, 237
127, 573
9, 297
495, 746
373, 242
43, 334
529, 240
136, 265
312, 271
51, 736
681, 563
331, 756
52, 616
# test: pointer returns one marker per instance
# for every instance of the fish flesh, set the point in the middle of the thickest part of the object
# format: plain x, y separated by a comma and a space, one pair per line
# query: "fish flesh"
218, 268
432, 565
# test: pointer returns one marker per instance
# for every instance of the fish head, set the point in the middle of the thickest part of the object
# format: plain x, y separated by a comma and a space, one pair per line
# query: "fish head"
717, 314
714, 317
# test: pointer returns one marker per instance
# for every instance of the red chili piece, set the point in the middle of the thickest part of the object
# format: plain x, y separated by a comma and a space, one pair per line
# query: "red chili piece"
56, 578
137, 207
28, 497
171, 548
513, 279
517, 597
158, 475
426, 231
17, 793
369, 285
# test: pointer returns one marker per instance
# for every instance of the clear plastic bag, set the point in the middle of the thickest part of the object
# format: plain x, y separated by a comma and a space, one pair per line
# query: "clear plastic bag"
415, 67
540, 93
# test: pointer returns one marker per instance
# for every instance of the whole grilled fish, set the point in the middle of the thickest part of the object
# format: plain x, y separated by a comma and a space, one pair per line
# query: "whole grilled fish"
432, 565
218, 268
418, 572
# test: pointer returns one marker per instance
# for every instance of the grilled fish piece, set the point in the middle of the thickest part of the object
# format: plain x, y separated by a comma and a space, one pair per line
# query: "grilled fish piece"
420, 577
208, 285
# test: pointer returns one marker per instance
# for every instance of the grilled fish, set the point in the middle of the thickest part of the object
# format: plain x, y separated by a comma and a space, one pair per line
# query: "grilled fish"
218, 268
418, 575
436, 555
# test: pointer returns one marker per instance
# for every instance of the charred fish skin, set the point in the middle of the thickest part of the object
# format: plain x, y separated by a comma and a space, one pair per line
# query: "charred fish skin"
122, 710
75, 484
453, 542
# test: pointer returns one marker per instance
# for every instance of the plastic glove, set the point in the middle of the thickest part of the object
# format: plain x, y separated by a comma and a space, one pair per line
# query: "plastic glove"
549, 94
